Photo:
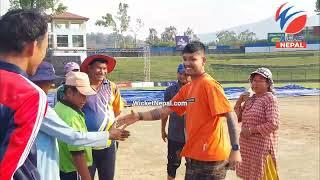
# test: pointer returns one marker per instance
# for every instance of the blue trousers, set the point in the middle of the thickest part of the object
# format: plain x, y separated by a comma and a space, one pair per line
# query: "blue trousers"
104, 161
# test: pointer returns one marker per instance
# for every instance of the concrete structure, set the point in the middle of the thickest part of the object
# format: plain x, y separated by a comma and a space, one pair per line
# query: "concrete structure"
67, 35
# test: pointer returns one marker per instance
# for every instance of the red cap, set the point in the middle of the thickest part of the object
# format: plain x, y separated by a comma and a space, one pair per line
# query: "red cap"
111, 62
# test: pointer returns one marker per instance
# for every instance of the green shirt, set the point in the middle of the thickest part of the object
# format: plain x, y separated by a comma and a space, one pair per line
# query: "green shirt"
76, 120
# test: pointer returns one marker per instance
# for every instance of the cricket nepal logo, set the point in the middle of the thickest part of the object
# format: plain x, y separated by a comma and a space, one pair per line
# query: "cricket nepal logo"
291, 23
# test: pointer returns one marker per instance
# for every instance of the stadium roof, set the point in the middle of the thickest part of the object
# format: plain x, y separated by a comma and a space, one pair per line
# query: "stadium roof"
68, 16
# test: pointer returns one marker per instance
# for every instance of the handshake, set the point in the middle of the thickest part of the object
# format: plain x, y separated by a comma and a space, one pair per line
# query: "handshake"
118, 134
117, 130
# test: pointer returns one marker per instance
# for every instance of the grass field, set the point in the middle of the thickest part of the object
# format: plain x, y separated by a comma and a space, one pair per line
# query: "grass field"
286, 67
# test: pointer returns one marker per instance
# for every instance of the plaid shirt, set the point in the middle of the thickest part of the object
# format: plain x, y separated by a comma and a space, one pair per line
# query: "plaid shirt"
261, 113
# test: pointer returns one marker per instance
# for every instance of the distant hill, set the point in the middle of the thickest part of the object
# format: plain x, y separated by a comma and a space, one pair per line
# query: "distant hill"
261, 28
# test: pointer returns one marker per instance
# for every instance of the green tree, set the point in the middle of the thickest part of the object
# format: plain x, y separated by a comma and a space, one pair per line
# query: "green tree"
124, 20
100, 40
192, 36
226, 38
119, 24
169, 34
153, 38
108, 22
232, 39
54, 6
318, 7
136, 28
246, 37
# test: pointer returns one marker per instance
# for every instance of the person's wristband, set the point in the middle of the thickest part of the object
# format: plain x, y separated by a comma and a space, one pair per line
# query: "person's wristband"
235, 147
140, 115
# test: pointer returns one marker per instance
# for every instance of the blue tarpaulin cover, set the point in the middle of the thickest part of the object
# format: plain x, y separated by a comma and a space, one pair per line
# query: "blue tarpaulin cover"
231, 92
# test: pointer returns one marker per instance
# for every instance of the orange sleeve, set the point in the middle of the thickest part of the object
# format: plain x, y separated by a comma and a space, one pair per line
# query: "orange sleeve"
118, 103
218, 102
179, 97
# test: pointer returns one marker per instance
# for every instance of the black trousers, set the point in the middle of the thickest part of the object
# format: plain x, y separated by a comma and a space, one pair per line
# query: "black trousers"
174, 159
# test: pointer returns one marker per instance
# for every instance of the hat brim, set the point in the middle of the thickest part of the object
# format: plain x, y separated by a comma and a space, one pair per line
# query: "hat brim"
46, 78
66, 72
86, 90
256, 72
111, 62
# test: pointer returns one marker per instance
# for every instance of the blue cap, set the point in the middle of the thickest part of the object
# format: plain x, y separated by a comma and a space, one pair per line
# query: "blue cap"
180, 69
45, 72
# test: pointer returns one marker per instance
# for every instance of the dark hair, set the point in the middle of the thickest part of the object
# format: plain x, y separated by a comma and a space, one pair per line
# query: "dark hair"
72, 88
194, 46
99, 60
18, 27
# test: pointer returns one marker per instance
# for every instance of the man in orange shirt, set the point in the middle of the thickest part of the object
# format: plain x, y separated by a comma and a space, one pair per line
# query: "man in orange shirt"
207, 149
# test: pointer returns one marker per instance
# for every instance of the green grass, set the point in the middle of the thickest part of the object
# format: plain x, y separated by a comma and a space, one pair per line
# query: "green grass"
280, 61
267, 55
288, 66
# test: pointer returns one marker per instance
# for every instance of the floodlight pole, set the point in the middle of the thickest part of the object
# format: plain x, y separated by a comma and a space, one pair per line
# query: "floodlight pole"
146, 64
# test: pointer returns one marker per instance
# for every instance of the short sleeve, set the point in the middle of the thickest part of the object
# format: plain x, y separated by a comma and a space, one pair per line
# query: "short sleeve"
118, 103
217, 100
167, 96
179, 97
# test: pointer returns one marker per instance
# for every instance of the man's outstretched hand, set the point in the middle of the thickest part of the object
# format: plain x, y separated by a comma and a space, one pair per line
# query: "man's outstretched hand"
118, 134
126, 120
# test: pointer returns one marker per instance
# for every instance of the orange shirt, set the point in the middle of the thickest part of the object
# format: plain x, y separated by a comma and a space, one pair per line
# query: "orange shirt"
205, 136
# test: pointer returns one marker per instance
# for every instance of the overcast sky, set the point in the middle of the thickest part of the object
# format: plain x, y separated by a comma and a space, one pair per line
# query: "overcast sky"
202, 16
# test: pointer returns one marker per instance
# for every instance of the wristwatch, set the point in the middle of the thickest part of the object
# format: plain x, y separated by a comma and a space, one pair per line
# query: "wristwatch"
235, 147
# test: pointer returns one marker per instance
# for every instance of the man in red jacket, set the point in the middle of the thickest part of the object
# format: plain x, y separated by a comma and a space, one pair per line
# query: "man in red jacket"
23, 44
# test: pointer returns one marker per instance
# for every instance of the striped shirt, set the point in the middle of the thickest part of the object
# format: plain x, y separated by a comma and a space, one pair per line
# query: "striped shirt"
261, 113
22, 108
100, 109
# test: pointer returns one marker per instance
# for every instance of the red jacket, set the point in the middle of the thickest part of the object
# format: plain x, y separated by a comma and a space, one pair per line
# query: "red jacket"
22, 107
